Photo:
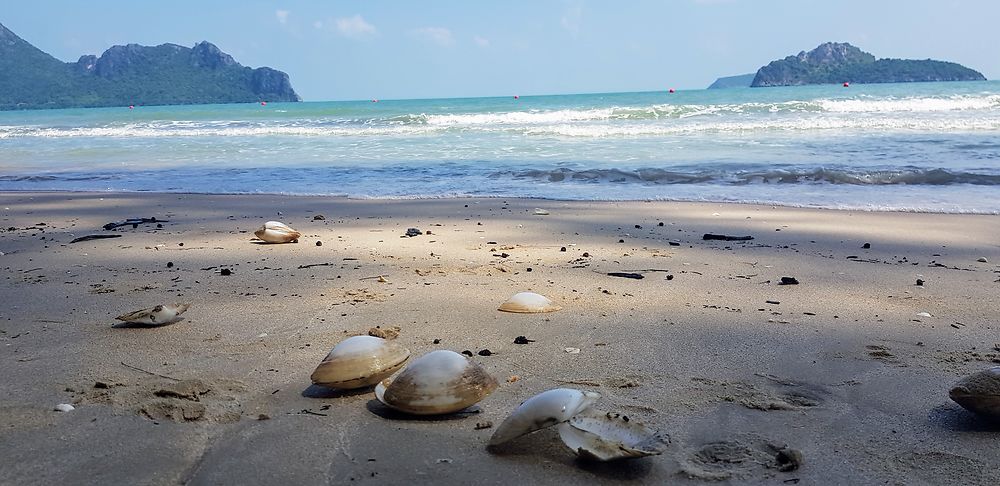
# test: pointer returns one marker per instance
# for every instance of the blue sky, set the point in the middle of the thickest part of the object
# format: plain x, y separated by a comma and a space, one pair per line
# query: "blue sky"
338, 50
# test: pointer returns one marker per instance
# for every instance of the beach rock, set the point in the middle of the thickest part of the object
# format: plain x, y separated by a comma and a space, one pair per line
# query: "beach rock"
920, 282
523, 340
411, 232
982, 260
788, 281
319, 217
866, 246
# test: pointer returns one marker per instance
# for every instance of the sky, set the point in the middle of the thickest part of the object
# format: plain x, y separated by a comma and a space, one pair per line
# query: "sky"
351, 50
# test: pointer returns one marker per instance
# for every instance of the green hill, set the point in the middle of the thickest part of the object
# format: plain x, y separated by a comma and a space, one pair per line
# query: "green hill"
738, 81
841, 62
132, 75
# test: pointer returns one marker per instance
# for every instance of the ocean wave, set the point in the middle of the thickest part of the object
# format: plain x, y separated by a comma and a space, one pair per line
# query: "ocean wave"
934, 177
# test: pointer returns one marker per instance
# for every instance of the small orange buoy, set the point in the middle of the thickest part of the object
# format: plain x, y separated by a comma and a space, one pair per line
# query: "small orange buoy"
847, 85
671, 90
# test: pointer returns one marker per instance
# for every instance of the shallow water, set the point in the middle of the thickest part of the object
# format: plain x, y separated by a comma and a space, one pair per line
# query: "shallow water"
915, 146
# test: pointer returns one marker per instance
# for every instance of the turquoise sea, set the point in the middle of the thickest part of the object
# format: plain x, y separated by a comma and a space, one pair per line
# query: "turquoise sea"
913, 147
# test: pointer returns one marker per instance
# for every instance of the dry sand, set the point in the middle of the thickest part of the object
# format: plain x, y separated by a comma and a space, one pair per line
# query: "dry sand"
840, 367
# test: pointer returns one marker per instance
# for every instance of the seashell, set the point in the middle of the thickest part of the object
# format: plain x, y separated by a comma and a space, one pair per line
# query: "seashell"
277, 232
979, 393
540, 212
604, 436
159, 315
543, 410
529, 302
436, 383
359, 361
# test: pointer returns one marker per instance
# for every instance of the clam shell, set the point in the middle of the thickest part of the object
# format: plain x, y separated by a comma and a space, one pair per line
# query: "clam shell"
159, 315
436, 383
529, 302
979, 393
359, 361
603, 436
543, 410
276, 232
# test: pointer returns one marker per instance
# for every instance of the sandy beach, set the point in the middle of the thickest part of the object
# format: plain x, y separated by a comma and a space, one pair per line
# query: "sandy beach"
850, 367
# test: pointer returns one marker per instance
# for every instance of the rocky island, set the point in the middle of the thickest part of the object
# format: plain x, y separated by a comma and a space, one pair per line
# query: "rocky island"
167, 74
834, 63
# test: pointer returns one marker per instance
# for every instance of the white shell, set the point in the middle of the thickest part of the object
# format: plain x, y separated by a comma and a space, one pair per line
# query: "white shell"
602, 436
438, 382
528, 302
543, 410
359, 361
979, 393
276, 232
540, 212
64, 407
159, 315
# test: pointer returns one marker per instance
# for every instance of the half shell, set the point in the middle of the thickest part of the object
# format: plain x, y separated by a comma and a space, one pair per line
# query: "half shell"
436, 383
543, 410
529, 302
277, 232
603, 436
979, 393
359, 361
159, 315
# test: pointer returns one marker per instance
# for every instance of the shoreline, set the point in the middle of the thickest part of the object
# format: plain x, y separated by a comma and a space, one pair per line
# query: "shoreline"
345, 197
842, 367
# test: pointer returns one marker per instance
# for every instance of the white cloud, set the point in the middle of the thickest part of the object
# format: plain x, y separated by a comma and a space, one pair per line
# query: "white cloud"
354, 27
318, 24
481, 41
438, 35
282, 16
571, 19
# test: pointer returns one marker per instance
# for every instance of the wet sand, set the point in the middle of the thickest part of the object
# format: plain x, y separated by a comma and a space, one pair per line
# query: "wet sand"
844, 367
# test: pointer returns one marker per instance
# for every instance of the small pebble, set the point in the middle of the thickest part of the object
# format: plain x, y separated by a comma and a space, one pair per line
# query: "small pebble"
562, 249
920, 282
660, 223
319, 243
523, 340
572, 350
64, 407
170, 264
982, 260
437, 341
788, 281
775, 302
621, 241
319, 217
866, 246
467, 353
527, 269
225, 272
485, 352
586, 255
180, 244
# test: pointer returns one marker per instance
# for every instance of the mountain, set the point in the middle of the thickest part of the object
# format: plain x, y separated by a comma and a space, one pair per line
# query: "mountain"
841, 62
738, 81
166, 74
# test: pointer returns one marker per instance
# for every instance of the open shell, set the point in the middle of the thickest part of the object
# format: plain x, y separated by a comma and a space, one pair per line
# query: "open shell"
603, 436
277, 232
159, 315
543, 410
979, 393
529, 302
436, 383
359, 361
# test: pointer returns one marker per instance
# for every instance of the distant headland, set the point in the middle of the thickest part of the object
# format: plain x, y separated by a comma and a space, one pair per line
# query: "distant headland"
834, 63
167, 74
